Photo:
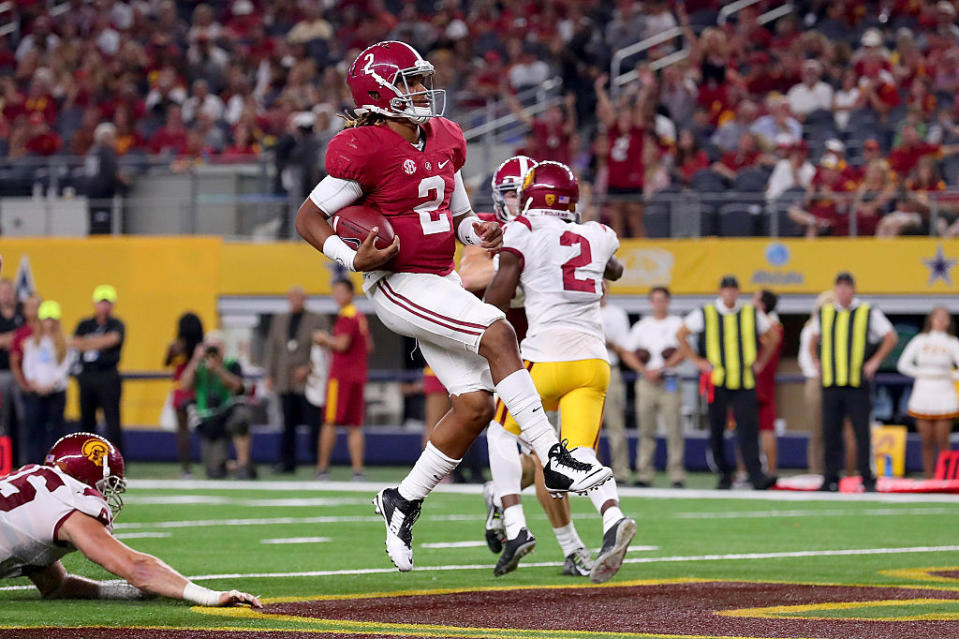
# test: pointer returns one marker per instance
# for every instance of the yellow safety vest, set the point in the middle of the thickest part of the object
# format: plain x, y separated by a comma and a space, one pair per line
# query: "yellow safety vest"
730, 342
842, 344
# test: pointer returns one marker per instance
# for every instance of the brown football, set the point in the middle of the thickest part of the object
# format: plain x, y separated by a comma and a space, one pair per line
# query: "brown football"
354, 223
643, 355
668, 352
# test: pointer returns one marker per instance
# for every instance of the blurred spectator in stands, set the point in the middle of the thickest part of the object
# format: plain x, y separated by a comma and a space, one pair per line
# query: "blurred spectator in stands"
765, 302
872, 201
41, 139
728, 135
847, 99
526, 69
127, 137
624, 162
653, 352
41, 39
166, 92
656, 167
931, 358
904, 158
350, 344
791, 171
915, 203
171, 138
678, 94
220, 412
244, 146
827, 197
82, 138
812, 94
658, 18
312, 27
944, 130
207, 61
31, 309
776, 122
46, 371
747, 154
287, 367
99, 340
554, 134
189, 336
202, 101
11, 319
946, 77
689, 158
104, 180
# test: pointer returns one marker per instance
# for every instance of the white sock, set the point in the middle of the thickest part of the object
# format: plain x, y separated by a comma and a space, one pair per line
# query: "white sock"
568, 538
515, 519
519, 394
429, 470
599, 496
504, 461
610, 517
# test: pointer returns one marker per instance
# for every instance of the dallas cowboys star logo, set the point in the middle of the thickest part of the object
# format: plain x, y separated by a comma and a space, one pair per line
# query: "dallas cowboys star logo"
940, 267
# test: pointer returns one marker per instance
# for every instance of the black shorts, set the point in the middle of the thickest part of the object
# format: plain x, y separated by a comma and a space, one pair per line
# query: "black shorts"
635, 191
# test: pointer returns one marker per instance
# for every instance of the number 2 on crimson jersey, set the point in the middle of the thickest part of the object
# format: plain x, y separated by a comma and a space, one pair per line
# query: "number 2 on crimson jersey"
570, 281
432, 225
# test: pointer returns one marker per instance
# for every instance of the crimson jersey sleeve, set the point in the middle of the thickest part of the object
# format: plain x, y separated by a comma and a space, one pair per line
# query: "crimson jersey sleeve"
349, 156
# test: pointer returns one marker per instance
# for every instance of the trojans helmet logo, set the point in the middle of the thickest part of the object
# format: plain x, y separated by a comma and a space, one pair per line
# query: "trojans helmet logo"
94, 450
550, 199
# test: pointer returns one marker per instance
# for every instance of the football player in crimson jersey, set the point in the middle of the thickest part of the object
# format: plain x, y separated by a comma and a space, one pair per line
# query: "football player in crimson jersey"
69, 504
561, 265
508, 467
401, 157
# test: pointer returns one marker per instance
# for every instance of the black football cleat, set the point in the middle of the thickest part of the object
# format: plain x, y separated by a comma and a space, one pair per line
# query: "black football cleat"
495, 528
610, 558
513, 550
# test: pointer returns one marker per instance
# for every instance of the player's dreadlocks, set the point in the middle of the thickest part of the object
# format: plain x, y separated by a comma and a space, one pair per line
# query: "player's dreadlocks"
367, 118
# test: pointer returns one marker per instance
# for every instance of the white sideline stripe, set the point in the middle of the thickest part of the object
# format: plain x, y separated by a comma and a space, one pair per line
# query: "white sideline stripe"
454, 544
548, 564
296, 540
631, 560
209, 500
477, 489
639, 549
271, 521
143, 535
762, 514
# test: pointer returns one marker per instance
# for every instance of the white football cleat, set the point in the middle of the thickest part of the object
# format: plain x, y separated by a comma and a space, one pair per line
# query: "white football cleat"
399, 515
573, 471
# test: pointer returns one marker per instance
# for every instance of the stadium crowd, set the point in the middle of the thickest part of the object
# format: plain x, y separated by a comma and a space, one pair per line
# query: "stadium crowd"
841, 115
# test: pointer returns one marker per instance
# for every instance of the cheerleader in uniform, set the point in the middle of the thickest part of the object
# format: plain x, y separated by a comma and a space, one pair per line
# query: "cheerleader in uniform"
931, 359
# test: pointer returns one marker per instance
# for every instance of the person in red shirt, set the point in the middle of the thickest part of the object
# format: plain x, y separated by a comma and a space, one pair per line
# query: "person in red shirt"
172, 137
42, 140
690, 158
747, 154
765, 301
827, 198
350, 344
624, 162
904, 158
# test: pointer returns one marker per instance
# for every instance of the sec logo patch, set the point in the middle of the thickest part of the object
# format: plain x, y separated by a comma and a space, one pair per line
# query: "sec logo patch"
409, 166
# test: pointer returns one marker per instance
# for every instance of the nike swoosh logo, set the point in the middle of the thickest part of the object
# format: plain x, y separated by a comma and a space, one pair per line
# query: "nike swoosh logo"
442, 164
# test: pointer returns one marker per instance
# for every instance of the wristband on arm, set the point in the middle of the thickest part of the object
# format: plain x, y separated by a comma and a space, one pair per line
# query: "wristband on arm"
466, 233
337, 250
200, 595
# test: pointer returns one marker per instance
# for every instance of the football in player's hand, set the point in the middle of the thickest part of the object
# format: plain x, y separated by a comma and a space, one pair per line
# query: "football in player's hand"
643, 355
354, 223
668, 352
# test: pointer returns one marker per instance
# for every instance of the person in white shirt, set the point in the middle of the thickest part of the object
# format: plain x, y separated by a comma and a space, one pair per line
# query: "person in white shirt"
812, 94
931, 358
793, 170
655, 354
46, 368
841, 335
847, 99
616, 328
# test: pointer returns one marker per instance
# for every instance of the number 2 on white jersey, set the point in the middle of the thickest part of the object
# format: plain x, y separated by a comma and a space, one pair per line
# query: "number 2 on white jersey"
583, 258
432, 225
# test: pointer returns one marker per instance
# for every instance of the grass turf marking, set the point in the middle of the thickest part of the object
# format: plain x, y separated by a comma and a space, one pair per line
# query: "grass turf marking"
210, 500
790, 612
296, 540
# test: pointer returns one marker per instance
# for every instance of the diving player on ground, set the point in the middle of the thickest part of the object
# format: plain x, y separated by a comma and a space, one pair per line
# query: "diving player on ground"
403, 159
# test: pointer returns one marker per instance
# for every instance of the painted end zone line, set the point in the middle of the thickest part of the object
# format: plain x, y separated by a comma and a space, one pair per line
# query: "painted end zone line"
549, 564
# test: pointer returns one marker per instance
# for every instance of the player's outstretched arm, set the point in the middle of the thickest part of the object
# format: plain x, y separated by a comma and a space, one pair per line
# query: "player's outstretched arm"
142, 572
503, 287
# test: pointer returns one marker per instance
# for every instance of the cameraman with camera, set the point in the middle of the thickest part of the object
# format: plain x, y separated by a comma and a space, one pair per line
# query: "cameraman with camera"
220, 410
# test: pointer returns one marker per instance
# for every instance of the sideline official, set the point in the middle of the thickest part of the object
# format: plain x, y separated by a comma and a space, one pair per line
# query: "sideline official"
843, 346
731, 340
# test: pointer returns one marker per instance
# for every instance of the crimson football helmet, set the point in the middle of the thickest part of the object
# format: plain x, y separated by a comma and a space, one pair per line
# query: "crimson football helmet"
550, 188
94, 461
508, 178
381, 78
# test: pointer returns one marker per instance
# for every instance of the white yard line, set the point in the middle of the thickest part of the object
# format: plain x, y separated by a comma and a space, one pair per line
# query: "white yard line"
143, 535
548, 564
477, 489
642, 548
209, 500
296, 540
763, 514
454, 544
275, 521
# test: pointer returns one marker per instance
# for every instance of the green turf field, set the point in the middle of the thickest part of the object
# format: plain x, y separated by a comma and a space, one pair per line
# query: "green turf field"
301, 539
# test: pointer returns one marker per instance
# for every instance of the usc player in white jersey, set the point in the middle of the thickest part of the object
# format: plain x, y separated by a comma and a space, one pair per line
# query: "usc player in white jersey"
69, 504
561, 265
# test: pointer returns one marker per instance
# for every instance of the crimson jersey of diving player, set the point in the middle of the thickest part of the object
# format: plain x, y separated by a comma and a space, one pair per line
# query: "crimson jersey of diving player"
412, 188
